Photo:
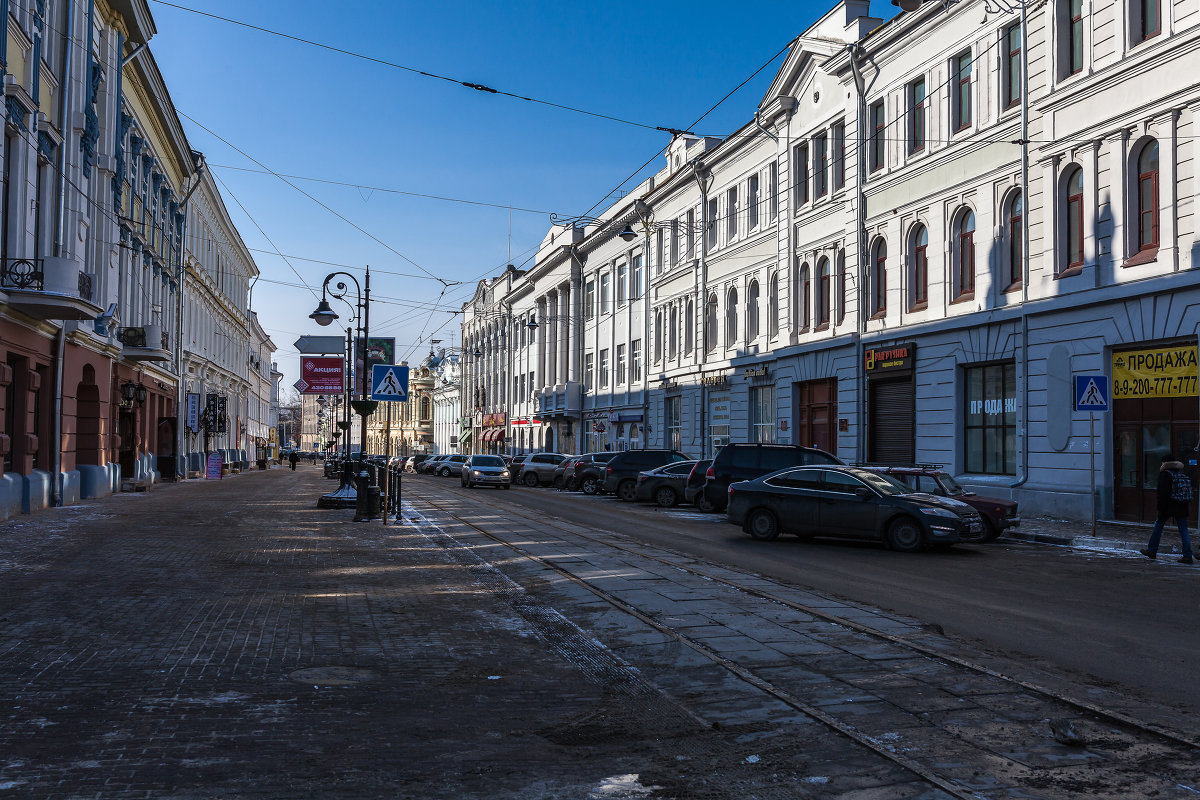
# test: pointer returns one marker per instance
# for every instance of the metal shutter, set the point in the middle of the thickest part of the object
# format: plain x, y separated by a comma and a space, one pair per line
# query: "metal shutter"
892, 409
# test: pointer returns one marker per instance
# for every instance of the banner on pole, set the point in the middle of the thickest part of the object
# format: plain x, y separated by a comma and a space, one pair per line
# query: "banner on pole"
320, 375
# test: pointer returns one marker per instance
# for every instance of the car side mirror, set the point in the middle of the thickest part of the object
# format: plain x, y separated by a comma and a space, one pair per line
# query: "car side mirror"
862, 493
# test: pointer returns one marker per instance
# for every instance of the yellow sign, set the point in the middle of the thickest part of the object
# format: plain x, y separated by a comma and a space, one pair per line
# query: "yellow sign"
1161, 372
273, 436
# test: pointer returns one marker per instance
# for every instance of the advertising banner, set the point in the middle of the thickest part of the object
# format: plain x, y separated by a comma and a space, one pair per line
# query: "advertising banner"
193, 411
380, 350
212, 469
321, 375
1160, 372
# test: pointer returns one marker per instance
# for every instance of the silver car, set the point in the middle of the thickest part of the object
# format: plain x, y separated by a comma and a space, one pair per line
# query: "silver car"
537, 468
485, 471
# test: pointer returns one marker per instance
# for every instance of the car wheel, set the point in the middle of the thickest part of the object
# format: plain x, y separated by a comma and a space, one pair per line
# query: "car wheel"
904, 535
703, 504
762, 525
990, 532
589, 485
571, 485
531, 479
666, 497
627, 491
446, 472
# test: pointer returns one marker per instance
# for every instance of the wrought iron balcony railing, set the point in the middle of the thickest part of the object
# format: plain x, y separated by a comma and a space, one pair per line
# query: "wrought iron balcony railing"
24, 273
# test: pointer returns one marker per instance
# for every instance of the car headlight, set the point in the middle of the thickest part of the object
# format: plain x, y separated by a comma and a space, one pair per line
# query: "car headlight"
478, 474
934, 511
503, 473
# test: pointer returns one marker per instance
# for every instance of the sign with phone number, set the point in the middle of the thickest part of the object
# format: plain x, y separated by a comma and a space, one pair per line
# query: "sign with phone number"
1161, 372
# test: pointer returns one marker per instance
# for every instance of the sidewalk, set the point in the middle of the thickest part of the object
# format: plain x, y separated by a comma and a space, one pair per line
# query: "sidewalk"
1110, 535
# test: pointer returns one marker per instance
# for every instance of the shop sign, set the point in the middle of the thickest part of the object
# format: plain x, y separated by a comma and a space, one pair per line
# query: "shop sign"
193, 411
1160, 372
843, 425
321, 375
212, 469
498, 419
519, 421
595, 414
760, 371
896, 358
715, 380
718, 410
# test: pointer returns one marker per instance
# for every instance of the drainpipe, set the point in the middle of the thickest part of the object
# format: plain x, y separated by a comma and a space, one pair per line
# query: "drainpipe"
759, 125
703, 179
1024, 476
855, 50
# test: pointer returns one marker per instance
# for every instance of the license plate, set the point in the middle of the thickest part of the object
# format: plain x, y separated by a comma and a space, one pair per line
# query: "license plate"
976, 527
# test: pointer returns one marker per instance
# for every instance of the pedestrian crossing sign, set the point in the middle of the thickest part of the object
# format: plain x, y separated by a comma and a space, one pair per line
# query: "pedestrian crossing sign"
1091, 393
389, 382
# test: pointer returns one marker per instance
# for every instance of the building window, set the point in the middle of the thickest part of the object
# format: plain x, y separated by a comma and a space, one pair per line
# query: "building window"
800, 174
1147, 197
589, 299
731, 318
823, 292
658, 336
752, 203
605, 295
589, 366
1073, 37
619, 364
674, 243
878, 133
660, 250
762, 414
960, 95
964, 253
920, 267
1016, 249
621, 283
773, 188
602, 369
1149, 18
916, 116
991, 419
773, 306
839, 154
710, 324
689, 319
689, 233
1073, 212
635, 360
843, 299
1012, 65
752, 311
673, 334
805, 297
879, 278
820, 165
731, 211
712, 223
673, 421
636, 277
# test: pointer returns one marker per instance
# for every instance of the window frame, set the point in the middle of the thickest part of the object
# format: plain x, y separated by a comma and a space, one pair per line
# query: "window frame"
920, 267
916, 112
800, 174
820, 165
1073, 34
602, 369
1150, 208
731, 220
1073, 222
823, 286
964, 262
878, 121
961, 109
838, 134
753, 328
731, 317
752, 201
773, 305
1146, 34
619, 366
1012, 90
978, 464
879, 278
1016, 240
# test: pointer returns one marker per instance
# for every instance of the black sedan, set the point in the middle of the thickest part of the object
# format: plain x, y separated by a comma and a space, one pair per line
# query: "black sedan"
663, 485
848, 502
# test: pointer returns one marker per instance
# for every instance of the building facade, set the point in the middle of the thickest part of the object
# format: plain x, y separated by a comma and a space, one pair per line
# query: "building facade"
734, 296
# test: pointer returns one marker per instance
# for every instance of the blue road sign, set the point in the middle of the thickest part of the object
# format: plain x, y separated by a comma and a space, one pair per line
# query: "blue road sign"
1091, 393
389, 382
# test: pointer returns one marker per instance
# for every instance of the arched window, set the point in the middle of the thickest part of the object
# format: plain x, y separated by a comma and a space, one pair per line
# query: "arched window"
919, 267
843, 299
1073, 219
689, 321
731, 318
964, 253
658, 336
710, 324
823, 292
752, 311
673, 333
879, 278
1147, 197
1014, 212
426, 407
804, 297
773, 306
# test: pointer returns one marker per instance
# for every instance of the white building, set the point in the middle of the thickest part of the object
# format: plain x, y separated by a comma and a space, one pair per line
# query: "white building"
447, 403
750, 306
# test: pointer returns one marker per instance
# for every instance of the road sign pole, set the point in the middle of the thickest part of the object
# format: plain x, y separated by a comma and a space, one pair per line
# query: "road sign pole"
1092, 464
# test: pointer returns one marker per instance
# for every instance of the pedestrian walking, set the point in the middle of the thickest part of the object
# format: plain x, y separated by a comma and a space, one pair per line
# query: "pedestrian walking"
1174, 495
292, 459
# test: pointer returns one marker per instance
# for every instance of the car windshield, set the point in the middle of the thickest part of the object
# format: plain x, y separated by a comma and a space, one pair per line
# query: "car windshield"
950, 485
487, 461
883, 484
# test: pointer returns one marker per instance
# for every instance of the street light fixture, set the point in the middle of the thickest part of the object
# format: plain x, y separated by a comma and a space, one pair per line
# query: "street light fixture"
324, 315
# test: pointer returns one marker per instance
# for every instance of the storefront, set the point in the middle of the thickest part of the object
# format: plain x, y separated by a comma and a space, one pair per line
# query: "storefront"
814, 414
891, 404
718, 411
1155, 412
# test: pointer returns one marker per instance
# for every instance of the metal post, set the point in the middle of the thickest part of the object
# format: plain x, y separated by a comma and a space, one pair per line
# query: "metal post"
1092, 464
387, 458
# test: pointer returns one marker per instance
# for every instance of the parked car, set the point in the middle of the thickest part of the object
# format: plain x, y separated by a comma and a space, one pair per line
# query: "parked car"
742, 462
451, 464
536, 468
998, 514
849, 502
428, 465
564, 470
693, 490
485, 471
414, 462
589, 472
664, 485
621, 471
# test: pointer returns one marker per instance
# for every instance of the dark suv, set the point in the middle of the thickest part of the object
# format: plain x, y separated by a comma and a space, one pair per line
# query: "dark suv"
744, 462
588, 476
621, 472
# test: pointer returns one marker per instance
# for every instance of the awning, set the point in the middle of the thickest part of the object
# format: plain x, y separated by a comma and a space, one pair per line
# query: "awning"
487, 435
499, 437
465, 436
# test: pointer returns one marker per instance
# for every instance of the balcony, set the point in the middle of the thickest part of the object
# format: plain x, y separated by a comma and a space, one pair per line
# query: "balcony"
147, 343
48, 288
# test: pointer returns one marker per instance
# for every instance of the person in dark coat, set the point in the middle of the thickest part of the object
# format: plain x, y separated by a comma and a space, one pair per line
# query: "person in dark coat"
1174, 495
292, 459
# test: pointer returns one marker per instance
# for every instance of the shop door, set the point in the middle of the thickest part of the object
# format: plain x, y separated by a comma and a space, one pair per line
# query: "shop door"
127, 455
815, 412
1143, 431
892, 422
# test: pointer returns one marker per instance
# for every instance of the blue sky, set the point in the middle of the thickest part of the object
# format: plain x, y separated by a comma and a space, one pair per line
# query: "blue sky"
310, 112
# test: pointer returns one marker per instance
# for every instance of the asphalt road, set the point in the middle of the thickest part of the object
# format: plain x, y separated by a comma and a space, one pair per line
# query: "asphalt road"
1109, 618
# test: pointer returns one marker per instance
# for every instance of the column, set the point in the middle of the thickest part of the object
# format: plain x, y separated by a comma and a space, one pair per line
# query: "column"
576, 337
564, 327
543, 327
552, 349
